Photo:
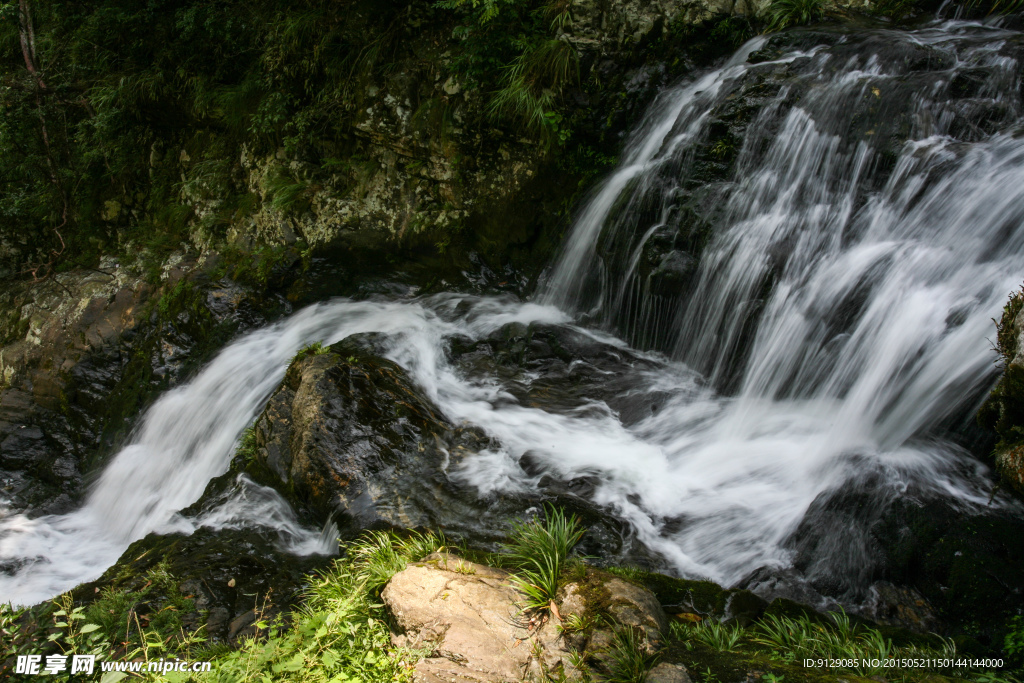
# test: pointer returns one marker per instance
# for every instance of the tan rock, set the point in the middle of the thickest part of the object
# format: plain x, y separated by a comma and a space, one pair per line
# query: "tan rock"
631, 605
467, 614
668, 673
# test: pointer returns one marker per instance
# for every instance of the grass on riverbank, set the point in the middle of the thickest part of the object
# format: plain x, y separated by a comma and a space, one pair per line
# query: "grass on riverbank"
340, 632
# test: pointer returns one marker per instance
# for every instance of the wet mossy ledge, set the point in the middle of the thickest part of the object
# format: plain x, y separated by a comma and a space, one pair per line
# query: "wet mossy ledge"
1003, 412
416, 606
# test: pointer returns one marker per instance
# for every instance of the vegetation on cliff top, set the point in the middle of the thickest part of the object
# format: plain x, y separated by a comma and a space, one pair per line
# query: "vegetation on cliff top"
102, 100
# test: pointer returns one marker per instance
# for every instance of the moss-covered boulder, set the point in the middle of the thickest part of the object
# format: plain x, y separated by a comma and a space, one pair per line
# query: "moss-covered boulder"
348, 433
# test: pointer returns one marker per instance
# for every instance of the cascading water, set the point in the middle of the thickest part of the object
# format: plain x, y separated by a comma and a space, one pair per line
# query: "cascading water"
813, 241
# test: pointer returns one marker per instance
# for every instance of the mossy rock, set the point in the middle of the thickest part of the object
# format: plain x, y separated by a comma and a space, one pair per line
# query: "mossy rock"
705, 598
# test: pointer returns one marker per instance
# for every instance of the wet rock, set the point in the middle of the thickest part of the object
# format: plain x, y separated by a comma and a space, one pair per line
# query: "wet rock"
85, 352
242, 626
348, 432
226, 580
1003, 412
605, 602
967, 565
636, 607
900, 606
703, 599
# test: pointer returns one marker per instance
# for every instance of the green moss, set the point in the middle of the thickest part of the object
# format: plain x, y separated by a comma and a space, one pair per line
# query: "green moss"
13, 327
701, 597
1003, 411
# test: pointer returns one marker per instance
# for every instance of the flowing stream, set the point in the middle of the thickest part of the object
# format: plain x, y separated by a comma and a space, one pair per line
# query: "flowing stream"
829, 322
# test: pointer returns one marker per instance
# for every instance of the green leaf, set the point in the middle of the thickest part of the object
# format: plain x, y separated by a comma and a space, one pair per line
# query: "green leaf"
89, 628
113, 676
294, 664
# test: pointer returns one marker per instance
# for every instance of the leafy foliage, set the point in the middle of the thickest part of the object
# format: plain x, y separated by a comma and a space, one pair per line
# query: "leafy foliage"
530, 85
338, 634
1013, 644
722, 637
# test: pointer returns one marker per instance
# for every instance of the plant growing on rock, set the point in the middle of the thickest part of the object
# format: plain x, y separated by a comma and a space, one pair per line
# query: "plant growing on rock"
786, 13
379, 555
539, 552
317, 348
530, 84
629, 572
629, 659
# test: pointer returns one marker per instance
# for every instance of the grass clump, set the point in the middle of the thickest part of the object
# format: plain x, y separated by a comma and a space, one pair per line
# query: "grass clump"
629, 660
539, 552
530, 85
717, 636
787, 13
317, 348
629, 572
379, 555
789, 639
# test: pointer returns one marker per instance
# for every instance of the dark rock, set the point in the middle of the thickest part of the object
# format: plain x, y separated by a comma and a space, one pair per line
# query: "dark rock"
348, 432
900, 606
236, 575
102, 349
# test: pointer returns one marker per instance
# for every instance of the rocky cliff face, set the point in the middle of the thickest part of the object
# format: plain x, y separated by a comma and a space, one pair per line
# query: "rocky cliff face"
83, 352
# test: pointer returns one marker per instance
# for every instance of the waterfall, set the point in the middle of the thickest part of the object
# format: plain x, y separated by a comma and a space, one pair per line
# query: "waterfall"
793, 271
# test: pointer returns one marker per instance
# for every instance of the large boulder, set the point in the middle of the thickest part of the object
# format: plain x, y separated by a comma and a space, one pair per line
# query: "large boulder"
469, 618
349, 433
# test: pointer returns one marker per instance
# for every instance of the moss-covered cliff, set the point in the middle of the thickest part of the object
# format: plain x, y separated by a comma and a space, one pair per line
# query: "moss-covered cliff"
1003, 412
359, 124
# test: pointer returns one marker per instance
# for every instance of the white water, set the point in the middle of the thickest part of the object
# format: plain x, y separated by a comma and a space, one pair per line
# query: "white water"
714, 483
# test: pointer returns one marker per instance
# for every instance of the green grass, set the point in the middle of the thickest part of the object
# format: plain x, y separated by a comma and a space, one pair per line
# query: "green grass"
316, 348
538, 552
628, 658
629, 572
530, 85
379, 555
338, 634
721, 637
786, 13
793, 639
